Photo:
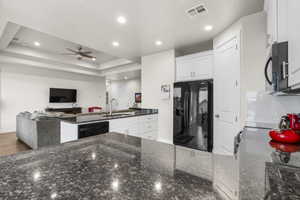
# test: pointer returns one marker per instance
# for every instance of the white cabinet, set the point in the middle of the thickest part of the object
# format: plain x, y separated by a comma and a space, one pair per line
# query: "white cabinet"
277, 20
283, 25
294, 42
141, 126
68, 132
226, 176
226, 107
148, 127
194, 67
128, 126
235, 75
197, 163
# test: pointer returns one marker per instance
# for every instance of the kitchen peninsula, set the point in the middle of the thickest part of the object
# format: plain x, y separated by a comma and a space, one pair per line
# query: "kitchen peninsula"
140, 123
44, 129
118, 166
108, 166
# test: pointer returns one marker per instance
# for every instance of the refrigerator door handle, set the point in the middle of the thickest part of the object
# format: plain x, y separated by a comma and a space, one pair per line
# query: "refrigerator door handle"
186, 124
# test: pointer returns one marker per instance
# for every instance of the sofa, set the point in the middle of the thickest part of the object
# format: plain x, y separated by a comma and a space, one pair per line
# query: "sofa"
37, 131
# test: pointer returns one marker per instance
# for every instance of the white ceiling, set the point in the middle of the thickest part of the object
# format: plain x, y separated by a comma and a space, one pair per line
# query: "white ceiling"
56, 46
17, 47
93, 23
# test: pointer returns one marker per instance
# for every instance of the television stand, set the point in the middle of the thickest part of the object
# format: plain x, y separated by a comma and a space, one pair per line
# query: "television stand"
74, 110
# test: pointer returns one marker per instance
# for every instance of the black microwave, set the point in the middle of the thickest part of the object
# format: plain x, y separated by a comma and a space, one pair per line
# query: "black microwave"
280, 69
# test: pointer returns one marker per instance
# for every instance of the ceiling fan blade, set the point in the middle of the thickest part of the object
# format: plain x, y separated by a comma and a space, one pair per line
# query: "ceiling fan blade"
71, 54
74, 51
86, 52
87, 56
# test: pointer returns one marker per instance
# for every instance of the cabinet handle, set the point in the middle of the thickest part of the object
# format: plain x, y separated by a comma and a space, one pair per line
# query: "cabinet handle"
284, 69
193, 74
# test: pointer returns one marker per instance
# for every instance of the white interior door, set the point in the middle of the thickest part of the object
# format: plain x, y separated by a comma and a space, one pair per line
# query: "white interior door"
226, 96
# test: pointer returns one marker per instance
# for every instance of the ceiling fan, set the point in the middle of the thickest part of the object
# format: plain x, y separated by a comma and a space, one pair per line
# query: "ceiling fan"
80, 53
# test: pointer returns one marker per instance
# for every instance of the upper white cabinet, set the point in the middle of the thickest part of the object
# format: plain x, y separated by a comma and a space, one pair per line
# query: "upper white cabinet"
277, 20
294, 42
283, 25
194, 67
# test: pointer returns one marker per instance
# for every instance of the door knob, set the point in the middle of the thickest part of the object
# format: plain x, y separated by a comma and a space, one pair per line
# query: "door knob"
217, 116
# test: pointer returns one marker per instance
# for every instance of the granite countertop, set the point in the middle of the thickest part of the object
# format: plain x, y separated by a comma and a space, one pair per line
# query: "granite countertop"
268, 170
104, 117
108, 166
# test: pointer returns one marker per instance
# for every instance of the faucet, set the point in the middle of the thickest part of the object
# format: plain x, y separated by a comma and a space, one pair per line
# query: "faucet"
110, 105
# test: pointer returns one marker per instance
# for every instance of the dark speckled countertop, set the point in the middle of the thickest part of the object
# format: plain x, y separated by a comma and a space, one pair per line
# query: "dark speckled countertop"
267, 172
109, 166
102, 117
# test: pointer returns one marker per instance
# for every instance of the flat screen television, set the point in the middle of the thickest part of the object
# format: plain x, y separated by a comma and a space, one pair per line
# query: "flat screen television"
59, 95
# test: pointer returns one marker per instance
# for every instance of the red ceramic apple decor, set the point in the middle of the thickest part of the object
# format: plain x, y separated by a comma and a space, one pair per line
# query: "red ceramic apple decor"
285, 136
289, 130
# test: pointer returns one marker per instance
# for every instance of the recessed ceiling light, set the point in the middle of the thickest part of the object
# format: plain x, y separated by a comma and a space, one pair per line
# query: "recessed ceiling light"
125, 77
37, 44
121, 20
94, 59
53, 195
115, 44
208, 27
158, 43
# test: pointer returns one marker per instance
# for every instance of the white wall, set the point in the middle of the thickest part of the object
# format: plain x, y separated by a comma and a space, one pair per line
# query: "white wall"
27, 89
124, 91
159, 69
266, 108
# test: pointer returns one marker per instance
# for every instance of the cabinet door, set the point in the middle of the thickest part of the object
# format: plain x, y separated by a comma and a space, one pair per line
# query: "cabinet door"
194, 67
68, 132
277, 14
282, 20
182, 72
271, 8
294, 42
226, 96
128, 126
226, 176
201, 68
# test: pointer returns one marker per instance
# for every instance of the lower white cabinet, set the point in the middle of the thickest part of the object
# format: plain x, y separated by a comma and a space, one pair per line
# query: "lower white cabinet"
195, 162
145, 126
226, 176
140, 126
68, 132
127, 126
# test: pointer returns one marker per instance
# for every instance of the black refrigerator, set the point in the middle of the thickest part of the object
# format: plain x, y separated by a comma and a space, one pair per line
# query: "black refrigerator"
193, 115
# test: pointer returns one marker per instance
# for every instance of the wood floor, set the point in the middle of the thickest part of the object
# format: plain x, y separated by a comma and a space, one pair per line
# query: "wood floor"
10, 145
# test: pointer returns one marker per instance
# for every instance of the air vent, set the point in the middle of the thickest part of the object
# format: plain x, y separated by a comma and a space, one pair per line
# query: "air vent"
196, 10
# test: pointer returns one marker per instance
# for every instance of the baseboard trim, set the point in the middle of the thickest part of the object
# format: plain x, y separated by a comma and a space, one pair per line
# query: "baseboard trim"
5, 133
